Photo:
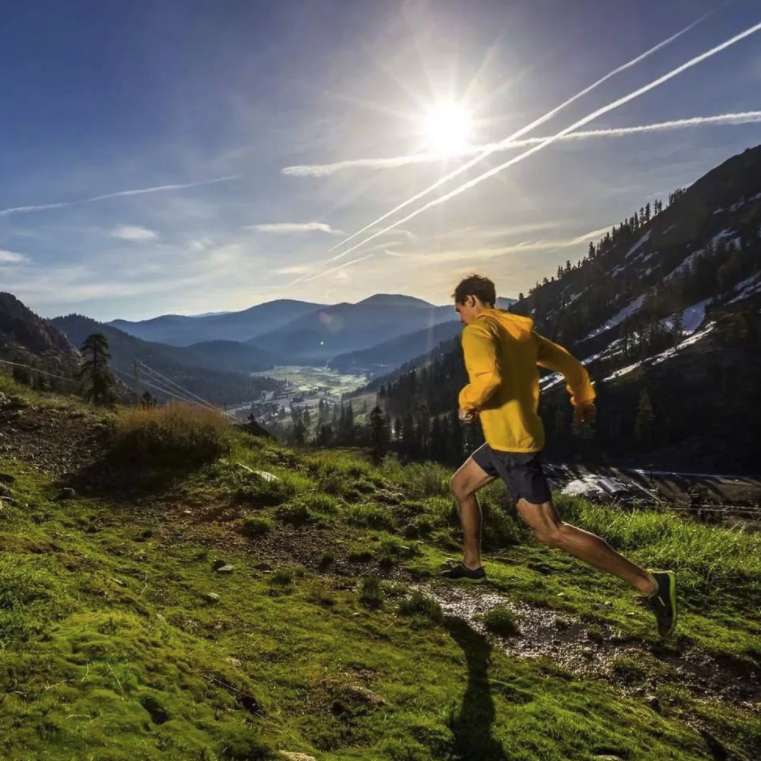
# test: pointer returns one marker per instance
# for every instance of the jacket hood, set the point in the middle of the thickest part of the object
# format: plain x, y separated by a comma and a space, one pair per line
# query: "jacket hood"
518, 326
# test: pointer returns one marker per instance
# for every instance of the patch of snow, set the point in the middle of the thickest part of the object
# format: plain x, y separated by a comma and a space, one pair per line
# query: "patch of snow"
663, 356
627, 311
550, 381
747, 287
740, 204
685, 265
594, 486
648, 271
638, 245
647, 257
692, 317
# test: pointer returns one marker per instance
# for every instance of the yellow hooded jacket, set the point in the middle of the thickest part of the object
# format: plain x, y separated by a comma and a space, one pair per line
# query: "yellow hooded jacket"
502, 352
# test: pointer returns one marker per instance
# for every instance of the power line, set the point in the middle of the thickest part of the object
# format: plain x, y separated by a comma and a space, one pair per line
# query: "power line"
198, 399
160, 388
41, 372
182, 389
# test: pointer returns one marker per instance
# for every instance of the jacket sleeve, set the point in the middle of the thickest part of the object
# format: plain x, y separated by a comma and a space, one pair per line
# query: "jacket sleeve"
480, 349
556, 358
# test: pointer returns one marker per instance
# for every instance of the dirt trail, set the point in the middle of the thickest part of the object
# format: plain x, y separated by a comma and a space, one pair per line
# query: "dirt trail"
565, 640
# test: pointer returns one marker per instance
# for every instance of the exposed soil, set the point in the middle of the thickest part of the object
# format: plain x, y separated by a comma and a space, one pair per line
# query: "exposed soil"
55, 442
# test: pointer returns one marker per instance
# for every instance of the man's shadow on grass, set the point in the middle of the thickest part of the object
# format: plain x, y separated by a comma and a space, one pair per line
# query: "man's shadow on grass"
472, 728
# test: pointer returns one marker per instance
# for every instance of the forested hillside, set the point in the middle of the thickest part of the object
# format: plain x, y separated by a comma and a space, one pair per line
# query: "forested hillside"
664, 311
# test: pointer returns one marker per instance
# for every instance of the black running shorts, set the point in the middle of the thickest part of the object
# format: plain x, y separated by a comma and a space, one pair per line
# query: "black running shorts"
521, 471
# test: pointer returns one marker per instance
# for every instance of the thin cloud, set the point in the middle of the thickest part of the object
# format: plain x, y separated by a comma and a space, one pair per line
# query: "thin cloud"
338, 268
592, 234
133, 234
11, 257
324, 170
288, 228
295, 270
118, 194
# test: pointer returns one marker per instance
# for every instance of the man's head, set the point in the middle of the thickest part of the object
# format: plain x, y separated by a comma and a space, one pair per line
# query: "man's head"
474, 294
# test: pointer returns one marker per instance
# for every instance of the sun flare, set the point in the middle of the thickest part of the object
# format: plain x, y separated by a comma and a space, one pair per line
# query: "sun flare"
447, 128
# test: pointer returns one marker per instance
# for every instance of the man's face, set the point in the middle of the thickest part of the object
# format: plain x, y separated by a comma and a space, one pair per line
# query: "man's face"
468, 310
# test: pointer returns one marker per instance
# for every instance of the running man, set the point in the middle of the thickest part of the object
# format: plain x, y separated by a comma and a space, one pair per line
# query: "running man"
502, 352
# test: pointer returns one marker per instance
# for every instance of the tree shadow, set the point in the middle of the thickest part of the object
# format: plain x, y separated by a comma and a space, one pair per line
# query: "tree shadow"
472, 727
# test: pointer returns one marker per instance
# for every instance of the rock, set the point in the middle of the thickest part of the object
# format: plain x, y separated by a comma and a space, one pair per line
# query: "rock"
161, 618
218, 564
363, 695
7, 479
653, 702
608, 757
561, 595
118, 581
66, 493
263, 567
631, 614
288, 756
225, 569
263, 474
211, 597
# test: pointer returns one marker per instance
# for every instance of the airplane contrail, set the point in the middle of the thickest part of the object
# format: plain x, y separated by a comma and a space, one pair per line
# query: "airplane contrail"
395, 162
118, 194
524, 130
548, 141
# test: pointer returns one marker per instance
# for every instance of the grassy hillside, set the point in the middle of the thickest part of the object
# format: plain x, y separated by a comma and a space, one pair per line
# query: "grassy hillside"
120, 638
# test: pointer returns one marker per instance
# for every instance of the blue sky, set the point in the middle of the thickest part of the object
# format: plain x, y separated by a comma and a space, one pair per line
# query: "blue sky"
201, 106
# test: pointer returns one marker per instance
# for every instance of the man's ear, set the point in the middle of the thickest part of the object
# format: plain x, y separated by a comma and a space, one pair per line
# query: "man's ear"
471, 301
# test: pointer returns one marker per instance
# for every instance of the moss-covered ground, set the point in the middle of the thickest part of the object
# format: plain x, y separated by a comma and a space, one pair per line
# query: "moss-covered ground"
119, 639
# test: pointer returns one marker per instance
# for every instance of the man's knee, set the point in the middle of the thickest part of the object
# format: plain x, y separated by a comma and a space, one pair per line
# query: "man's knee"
553, 535
459, 488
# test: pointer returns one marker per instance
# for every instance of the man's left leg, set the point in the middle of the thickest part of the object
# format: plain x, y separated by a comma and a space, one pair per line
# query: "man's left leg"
549, 529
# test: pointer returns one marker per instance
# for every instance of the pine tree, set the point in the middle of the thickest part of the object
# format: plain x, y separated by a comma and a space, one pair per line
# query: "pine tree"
93, 373
377, 435
643, 425
148, 401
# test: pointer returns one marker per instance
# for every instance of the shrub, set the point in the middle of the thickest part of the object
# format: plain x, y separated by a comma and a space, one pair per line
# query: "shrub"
175, 436
253, 527
370, 516
501, 621
371, 592
321, 503
298, 513
422, 608
260, 492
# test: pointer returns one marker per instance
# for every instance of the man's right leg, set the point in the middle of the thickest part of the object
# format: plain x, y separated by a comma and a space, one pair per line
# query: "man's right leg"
464, 484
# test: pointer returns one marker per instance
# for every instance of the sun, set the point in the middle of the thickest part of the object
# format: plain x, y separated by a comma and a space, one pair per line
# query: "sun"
447, 127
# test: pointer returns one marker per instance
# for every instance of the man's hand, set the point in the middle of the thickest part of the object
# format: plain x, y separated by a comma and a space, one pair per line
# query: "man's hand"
467, 416
585, 413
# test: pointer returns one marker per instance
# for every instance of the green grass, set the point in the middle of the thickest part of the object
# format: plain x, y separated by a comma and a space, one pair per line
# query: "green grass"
110, 650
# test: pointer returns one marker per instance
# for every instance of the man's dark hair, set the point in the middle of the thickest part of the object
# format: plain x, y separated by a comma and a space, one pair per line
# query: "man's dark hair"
476, 285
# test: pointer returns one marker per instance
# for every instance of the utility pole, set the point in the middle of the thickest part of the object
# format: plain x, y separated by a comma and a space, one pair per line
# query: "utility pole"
137, 382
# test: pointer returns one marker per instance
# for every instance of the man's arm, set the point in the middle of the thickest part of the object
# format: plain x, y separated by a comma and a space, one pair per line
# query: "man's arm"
557, 359
480, 350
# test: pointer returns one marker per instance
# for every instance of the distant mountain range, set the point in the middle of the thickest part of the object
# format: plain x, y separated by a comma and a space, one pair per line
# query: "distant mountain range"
297, 332
389, 355
213, 371
178, 330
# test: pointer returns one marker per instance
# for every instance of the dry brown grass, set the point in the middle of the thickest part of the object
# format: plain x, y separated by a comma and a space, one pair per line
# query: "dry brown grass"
177, 434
